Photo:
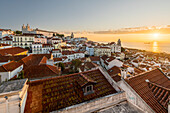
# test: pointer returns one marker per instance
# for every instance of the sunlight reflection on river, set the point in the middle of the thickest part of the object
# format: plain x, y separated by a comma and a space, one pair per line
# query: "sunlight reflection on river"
155, 47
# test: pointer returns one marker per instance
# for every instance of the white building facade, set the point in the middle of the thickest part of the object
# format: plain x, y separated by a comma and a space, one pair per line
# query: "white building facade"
23, 40
116, 48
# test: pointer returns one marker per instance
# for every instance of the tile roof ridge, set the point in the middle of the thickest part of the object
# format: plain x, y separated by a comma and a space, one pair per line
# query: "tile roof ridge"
49, 66
94, 64
61, 76
23, 59
7, 64
140, 74
43, 58
155, 84
161, 94
87, 78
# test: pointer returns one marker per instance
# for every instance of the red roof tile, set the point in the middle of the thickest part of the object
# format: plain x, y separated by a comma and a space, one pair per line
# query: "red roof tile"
46, 45
12, 51
112, 43
59, 92
43, 70
10, 66
88, 66
11, 58
1, 44
94, 58
57, 59
162, 94
34, 59
113, 72
141, 87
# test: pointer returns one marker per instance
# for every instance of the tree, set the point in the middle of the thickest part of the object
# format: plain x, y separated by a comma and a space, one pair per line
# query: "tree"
75, 64
53, 34
18, 32
29, 50
21, 75
62, 66
60, 35
122, 49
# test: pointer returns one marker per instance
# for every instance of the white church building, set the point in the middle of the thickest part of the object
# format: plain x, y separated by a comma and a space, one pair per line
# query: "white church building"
27, 29
116, 48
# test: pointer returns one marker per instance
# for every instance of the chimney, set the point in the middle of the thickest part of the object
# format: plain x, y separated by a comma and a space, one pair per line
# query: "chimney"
123, 73
9, 73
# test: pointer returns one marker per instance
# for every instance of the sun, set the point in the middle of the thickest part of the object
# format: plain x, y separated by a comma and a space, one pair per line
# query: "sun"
156, 36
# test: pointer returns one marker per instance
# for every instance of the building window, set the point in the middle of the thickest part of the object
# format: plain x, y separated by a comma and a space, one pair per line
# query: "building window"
89, 88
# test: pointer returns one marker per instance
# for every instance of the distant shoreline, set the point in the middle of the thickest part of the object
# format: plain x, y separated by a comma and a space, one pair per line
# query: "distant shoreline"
140, 50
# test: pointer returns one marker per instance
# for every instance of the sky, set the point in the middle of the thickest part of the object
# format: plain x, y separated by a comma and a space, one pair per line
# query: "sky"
83, 15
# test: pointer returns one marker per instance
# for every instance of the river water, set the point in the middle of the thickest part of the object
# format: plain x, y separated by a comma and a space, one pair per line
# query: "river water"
149, 42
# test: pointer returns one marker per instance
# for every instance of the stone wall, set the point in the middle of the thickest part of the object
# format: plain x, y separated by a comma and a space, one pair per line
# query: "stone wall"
134, 98
96, 104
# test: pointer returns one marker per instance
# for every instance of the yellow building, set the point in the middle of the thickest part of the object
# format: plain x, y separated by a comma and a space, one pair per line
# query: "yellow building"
14, 51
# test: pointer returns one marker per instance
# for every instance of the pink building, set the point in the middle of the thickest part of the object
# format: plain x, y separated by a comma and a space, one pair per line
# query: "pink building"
42, 40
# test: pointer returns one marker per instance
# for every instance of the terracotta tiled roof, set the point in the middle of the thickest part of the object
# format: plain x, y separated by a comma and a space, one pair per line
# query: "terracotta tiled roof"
112, 43
1, 44
88, 66
56, 39
11, 58
94, 58
66, 47
135, 61
57, 59
108, 60
56, 50
59, 92
5, 29
114, 71
46, 45
10, 66
6, 38
138, 71
162, 94
34, 59
43, 60
104, 57
116, 78
12, 51
140, 86
43, 70
67, 52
